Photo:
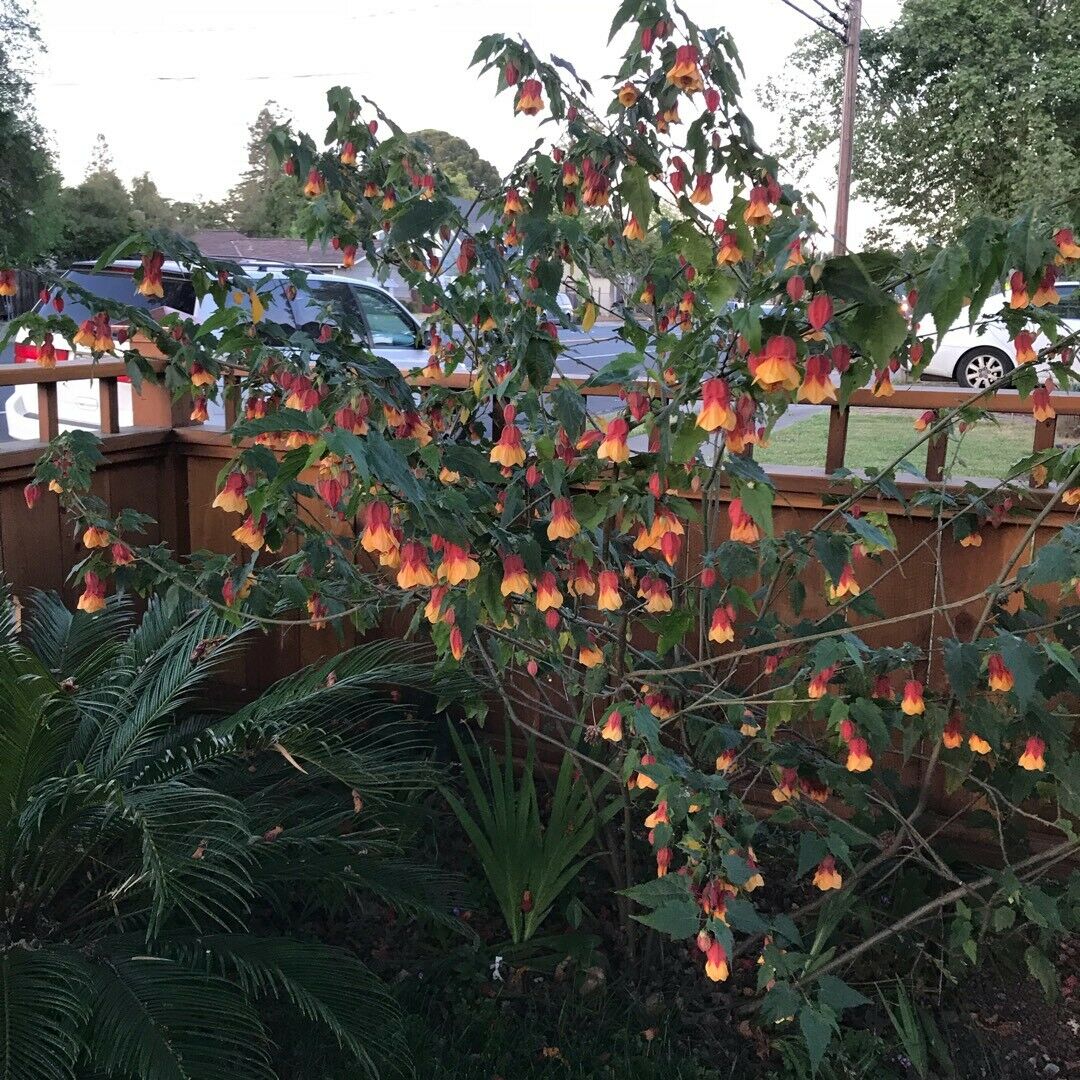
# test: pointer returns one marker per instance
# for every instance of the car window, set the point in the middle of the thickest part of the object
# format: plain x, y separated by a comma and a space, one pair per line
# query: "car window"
1069, 305
179, 293
389, 325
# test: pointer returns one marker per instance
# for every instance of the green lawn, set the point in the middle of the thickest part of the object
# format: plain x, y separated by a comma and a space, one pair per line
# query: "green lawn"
876, 438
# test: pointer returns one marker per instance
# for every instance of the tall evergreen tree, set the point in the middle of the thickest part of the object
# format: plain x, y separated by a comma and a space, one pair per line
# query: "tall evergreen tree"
461, 162
150, 208
265, 202
96, 213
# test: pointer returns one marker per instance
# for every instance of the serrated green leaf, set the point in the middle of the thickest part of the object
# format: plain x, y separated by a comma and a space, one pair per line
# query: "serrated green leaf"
838, 995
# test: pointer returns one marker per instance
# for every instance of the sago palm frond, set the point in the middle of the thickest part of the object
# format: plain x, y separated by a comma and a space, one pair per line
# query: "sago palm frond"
9, 617
328, 986
196, 853
36, 725
74, 645
46, 998
139, 708
134, 819
156, 1018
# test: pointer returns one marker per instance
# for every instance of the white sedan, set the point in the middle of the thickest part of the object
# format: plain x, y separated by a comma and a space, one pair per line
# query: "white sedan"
978, 356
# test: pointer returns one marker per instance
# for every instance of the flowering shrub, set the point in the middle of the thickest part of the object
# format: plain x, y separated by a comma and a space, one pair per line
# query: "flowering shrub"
575, 554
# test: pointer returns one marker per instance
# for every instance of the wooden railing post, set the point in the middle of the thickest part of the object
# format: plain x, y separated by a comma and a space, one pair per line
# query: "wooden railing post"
836, 447
231, 400
108, 398
1045, 434
48, 412
936, 450
153, 404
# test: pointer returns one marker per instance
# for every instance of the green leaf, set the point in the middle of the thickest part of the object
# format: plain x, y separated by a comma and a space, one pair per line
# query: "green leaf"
812, 849
743, 916
627, 10
817, 1030
737, 868
635, 189
869, 532
838, 995
1041, 908
673, 627
569, 407
619, 370
417, 219
879, 330
779, 1004
962, 663
687, 440
1040, 966
1060, 655
1053, 562
696, 248
833, 553
470, 462
658, 891
757, 500
676, 918
1004, 917
646, 725
1024, 663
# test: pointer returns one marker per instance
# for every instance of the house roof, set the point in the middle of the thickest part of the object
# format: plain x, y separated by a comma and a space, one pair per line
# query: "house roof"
228, 244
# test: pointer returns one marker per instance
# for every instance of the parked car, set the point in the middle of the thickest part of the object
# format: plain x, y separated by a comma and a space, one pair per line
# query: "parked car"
392, 332
978, 356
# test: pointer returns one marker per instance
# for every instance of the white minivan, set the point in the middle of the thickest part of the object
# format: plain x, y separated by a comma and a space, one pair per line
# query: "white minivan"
392, 332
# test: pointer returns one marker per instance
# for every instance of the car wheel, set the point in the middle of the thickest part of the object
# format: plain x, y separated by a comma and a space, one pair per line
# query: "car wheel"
981, 367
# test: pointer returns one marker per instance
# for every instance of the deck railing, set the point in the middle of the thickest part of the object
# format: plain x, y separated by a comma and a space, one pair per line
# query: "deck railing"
154, 407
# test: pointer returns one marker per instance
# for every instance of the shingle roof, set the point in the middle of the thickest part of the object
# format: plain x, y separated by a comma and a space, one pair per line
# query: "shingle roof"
228, 244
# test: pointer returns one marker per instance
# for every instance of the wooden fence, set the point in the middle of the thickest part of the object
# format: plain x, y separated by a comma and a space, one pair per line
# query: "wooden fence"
167, 468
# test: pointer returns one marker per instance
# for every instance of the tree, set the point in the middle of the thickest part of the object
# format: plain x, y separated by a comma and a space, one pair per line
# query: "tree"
265, 202
150, 209
96, 214
464, 167
193, 216
101, 157
29, 181
958, 99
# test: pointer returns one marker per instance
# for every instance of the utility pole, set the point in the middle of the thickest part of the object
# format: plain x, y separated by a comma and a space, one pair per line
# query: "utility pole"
847, 124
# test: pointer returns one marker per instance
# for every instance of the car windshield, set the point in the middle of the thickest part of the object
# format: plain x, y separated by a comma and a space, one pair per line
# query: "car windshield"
1068, 307
323, 301
179, 293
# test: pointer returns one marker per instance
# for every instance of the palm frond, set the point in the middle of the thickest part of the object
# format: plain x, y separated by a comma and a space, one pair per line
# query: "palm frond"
10, 616
74, 645
35, 728
196, 853
343, 868
46, 998
159, 1019
362, 673
148, 686
328, 986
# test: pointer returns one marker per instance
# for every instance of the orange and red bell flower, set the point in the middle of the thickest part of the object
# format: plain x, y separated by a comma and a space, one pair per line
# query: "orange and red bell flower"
1033, 758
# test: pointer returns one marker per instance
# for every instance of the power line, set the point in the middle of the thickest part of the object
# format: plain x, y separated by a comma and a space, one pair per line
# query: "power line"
816, 21
832, 14
216, 77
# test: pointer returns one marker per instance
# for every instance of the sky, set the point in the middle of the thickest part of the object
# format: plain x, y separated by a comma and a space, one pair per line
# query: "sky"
174, 88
